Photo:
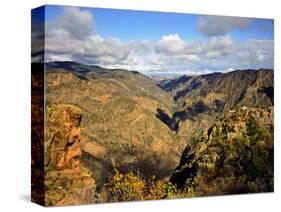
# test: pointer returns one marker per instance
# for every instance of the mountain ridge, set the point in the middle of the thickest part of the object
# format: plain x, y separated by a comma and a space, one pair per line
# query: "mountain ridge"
120, 127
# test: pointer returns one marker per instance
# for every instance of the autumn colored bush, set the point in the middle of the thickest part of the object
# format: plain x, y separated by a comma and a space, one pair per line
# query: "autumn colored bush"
158, 189
130, 187
126, 187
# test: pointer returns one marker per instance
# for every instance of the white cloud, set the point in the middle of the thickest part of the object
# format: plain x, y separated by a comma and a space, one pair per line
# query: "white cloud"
190, 57
72, 37
79, 24
221, 25
218, 46
218, 43
171, 44
170, 55
171, 37
256, 53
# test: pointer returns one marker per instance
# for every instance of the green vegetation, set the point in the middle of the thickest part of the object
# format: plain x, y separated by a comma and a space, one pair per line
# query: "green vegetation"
229, 161
130, 187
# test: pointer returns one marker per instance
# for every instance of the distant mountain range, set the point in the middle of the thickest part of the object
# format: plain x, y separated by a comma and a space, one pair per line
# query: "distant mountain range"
206, 96
185, 86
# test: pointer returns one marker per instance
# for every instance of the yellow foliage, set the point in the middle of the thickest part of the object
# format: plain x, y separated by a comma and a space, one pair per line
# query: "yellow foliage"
129, 187
126, 187
161, 190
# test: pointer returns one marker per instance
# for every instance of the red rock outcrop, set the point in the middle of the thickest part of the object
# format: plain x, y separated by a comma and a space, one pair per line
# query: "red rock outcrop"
67, 182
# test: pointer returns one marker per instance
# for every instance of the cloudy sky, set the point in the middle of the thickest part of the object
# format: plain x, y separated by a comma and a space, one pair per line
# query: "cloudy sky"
157, 43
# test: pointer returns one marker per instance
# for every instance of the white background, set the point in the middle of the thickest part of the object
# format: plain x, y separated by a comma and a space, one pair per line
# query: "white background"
15, 104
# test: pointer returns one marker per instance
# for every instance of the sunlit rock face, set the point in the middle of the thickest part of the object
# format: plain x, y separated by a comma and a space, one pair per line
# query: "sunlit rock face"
67, 182
63, 136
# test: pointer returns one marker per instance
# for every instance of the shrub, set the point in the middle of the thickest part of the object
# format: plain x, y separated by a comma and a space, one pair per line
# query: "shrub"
161, 190
126, 187
253, 130
245, 163
129, 187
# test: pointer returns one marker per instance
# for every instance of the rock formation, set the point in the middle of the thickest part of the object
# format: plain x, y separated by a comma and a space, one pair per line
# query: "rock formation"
67, 182
233, 156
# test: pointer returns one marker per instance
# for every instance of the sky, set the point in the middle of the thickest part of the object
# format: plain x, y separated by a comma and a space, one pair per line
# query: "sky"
157, 43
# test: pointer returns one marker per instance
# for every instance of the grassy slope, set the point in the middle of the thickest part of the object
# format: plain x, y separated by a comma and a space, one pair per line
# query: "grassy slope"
119, 120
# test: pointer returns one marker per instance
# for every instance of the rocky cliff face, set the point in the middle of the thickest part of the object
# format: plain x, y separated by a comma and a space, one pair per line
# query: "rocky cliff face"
200, 99
235, 155
67, 182
237, 88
